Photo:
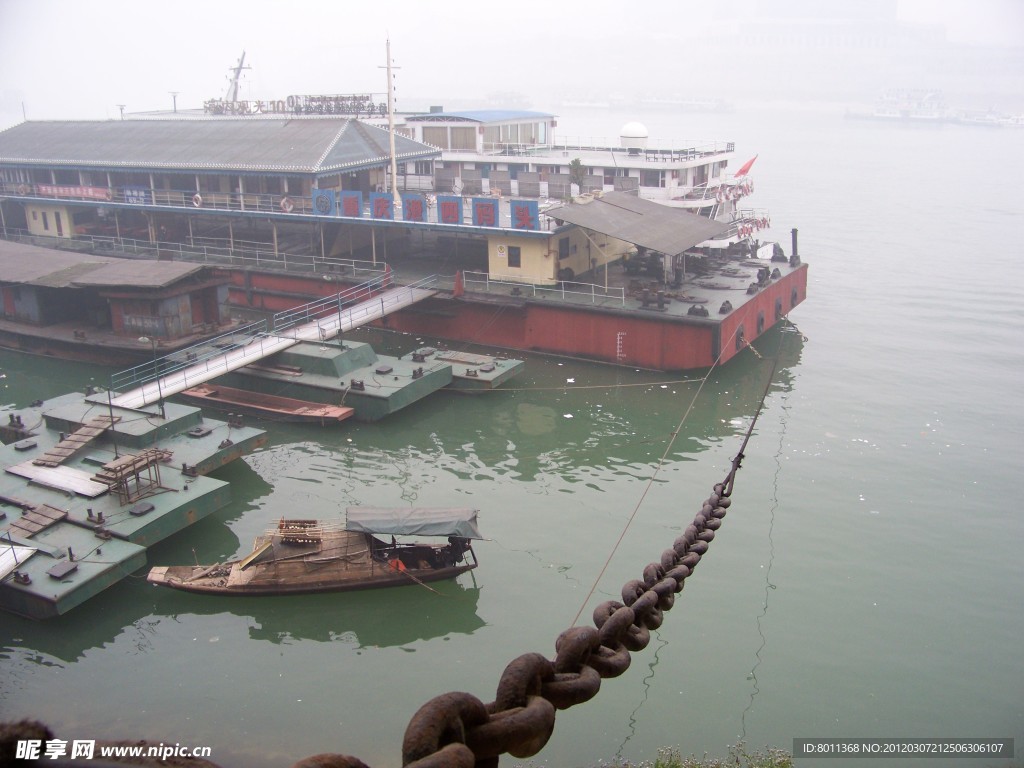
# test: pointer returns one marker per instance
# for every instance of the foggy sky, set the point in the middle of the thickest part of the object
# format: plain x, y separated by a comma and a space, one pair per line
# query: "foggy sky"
80, 59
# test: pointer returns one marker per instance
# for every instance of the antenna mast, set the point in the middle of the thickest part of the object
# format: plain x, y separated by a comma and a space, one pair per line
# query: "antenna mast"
391, 133
236, 74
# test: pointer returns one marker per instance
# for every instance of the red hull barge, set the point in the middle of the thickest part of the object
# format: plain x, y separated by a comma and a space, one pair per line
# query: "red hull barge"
635, 331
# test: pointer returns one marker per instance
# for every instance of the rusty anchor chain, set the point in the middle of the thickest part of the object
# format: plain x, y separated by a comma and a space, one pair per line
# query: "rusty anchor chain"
457, 730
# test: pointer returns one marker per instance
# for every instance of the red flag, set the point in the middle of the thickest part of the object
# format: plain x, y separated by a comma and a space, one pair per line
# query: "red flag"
745, 167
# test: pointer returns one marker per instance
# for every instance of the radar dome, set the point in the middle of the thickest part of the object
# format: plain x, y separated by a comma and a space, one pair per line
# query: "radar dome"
633, 136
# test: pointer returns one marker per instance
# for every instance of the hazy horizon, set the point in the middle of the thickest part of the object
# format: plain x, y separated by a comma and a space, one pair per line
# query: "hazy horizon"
75, 60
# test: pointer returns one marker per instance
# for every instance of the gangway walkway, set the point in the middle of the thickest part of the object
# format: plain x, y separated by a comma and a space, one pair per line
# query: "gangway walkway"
317, 321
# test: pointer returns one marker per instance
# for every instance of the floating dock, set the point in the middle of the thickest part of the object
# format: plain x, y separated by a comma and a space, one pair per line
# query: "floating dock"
472, 372
88, 486
349, 374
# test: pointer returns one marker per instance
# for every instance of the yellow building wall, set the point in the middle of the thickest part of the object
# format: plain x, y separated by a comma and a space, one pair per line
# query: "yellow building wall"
539, 259
43, 220
587, 250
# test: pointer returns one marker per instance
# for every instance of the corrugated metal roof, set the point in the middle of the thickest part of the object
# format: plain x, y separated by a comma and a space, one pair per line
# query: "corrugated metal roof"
641, 222
32, 265
137, 273
294, 145
29, 264
481, 115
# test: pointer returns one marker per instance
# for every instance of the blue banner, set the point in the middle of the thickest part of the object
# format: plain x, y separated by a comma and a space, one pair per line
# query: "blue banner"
449, 209
525, 214
382, 206
136, 195
414, 207
351, 204
485, 212
324, 202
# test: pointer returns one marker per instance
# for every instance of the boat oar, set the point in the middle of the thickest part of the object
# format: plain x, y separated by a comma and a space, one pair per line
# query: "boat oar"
418, 581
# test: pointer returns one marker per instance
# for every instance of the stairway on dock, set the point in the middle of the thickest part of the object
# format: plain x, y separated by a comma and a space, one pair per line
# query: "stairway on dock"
134, 476
34, 517
71, 444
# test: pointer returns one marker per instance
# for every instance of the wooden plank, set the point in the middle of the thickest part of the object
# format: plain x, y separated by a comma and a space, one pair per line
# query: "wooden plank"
253, 555
64, 478
75, 441
26, 529
52, 513
38, 519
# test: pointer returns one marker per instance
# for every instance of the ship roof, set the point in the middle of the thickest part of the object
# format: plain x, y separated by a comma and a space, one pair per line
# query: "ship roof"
32, 265
414, 521
294, 145
640, 222
481, 116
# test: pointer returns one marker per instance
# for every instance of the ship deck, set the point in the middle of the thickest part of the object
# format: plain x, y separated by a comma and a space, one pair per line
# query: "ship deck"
90, 518
709, 282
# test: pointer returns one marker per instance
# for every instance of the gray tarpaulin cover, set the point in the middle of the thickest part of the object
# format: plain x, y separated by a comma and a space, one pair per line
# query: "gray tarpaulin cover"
414, 521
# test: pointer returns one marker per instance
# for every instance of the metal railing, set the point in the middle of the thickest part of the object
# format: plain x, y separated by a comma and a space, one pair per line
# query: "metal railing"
332, 305
166, 376
521, 286
219, 251
663, 151
208, 353
331, 316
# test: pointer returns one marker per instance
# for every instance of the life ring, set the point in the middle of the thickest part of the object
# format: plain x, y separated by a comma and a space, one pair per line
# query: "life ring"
197, 200
287, 205
23, 189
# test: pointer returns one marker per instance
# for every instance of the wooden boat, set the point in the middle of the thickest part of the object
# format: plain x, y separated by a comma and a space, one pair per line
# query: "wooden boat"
266, 406
317, 556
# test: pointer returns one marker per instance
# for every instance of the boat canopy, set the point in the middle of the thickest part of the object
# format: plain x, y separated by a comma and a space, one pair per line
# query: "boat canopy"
414, 521
641, 222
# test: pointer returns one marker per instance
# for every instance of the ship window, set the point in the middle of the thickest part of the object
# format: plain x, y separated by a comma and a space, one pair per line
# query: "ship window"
46, 222
515, 259
563, 248
463, 138
436, 135
492, 136
652, 178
